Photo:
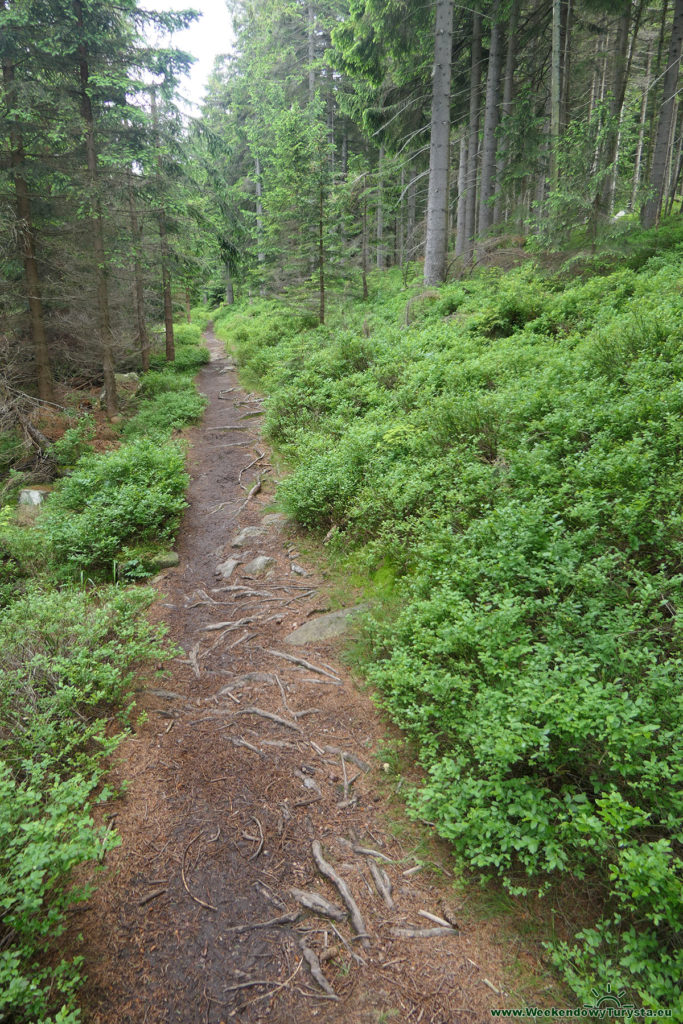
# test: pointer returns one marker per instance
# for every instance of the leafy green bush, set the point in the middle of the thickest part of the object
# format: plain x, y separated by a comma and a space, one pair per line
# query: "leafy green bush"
114, 500
167, 411
65, 656
518, 465
74, 442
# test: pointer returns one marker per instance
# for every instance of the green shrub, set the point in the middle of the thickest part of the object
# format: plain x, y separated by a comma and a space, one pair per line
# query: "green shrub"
166, 411
66, 656
74, 442
114, 500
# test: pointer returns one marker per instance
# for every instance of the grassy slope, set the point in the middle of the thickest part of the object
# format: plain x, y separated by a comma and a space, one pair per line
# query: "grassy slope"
68, 652
512, 460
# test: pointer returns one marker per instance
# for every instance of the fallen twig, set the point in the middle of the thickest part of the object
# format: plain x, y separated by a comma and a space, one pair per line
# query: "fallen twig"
422, 933
151, 896
383, 883
272, 923
272, 717
202, 903
302, 662
318, 904
316, 971
437, 920
261, 842
328, 871
237, 741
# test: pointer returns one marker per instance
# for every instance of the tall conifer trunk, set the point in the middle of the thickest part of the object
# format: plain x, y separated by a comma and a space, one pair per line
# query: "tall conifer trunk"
439, 149
28, 249
473, 135
506, 106
651, 210
163, 240
488, 154
96, 222
143, 337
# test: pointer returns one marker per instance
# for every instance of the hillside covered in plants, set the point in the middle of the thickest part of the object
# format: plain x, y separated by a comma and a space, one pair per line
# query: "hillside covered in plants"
507, 470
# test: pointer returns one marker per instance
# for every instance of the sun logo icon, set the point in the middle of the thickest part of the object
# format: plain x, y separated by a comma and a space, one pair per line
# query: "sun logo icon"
609, 1000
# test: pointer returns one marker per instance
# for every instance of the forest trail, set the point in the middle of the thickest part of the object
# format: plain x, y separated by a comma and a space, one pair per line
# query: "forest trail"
234, 777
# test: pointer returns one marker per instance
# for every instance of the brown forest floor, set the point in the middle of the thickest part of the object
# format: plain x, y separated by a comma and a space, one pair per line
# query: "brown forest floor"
223, 804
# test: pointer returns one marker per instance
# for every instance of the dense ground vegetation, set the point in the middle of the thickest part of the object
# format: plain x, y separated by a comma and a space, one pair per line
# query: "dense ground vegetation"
511, 459
71, 637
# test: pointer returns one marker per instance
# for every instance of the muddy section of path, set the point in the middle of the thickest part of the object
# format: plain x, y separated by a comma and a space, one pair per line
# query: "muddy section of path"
257, 877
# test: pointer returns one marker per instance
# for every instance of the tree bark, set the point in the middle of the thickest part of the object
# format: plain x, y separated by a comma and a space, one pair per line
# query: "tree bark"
488, 154
96, 222
566, 29
163, 239
439, 148
460, 238
641, 133
28, 247
311, 52
380, 212
652, 208
617, 92
143, 337
555, 88
506, 105
229, 289
473, 134
321, 256
364, 246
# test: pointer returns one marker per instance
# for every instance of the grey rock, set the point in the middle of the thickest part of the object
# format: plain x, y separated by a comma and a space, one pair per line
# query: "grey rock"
32, 496
325, 627
227, 568
165, 560
274, 519
245, 535
258, 566
167, 694
298, 570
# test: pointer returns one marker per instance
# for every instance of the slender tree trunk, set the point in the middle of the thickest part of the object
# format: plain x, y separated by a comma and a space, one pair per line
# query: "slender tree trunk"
321, 255
566, 28
143, 337
651, 210
260, 255
439, 148
96, 223
460, 239
641, 134
163, 247
676, 170
410, 226
401, 225
311, 52
345, 151
28, 248
555, 91
655, 92
488, 155
364, 247
506, 105
473, 135
188, 313
619, 65
380, 211
229, 289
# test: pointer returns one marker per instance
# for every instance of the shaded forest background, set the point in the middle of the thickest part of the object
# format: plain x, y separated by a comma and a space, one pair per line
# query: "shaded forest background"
336, 138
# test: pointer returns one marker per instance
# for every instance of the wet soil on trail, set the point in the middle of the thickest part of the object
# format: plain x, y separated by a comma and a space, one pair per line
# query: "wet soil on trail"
246, 761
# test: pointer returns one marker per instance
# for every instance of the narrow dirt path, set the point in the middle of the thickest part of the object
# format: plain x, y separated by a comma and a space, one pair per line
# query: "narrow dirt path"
247, 762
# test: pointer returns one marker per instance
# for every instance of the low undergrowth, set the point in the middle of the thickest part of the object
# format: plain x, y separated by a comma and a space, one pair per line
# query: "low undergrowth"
513, 458
68, 653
